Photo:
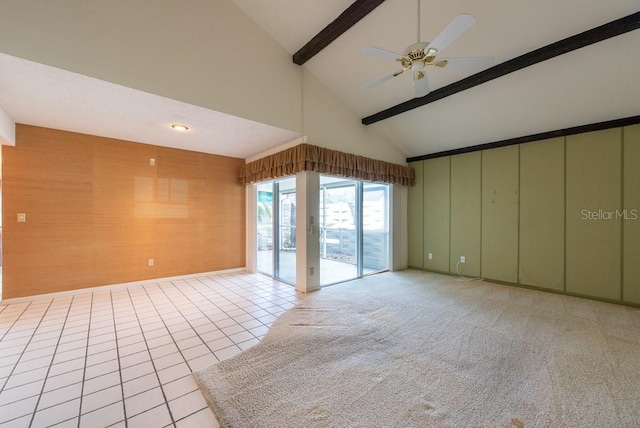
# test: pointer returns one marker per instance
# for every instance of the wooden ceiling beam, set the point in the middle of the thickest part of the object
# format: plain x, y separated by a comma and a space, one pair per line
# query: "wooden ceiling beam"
616, 123
347, 19
586, 38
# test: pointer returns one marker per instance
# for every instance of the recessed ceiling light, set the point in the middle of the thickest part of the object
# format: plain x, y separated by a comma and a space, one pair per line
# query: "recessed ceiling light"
180, 127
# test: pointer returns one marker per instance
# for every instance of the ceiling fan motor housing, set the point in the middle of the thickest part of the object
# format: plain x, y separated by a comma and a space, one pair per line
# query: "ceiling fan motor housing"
415, 52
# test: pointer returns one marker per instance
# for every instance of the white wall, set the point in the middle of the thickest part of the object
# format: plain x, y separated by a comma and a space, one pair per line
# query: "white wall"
329, 123
307, 243
7, 129
274, 150
251, 233
206, 53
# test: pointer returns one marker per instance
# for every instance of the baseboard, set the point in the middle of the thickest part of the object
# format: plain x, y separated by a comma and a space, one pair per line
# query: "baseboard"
547, 290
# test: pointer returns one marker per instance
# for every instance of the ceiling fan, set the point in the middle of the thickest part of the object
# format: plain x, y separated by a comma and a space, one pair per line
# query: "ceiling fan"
418, 56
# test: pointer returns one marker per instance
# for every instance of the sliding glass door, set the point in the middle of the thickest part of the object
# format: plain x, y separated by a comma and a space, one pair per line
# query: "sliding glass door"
338, 230
354, 235
353, 229
276, 229
284, 261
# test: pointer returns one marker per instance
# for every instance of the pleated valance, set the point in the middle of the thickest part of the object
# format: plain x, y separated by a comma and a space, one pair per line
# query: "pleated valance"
306, 157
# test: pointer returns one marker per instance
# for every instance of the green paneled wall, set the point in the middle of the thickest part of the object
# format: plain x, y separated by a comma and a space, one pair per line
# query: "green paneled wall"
436, 214
415, 218
500, 214
542, 214
593, 233
631, 226
465, 213
561, 214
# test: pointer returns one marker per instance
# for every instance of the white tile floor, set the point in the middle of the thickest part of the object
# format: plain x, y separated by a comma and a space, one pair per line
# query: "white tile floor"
123, 357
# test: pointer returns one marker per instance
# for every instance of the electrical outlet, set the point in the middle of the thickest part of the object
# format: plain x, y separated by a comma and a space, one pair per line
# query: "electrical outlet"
463, 259
311, 271
430, 256
150, 262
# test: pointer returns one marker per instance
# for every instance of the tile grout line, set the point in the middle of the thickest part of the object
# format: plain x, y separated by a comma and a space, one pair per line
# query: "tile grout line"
207, 298
162, 290
35, 409
244, 299
229, 292
193, 413
16, 320
86, 357
192, 288
197, 334
115, 333
25, 348
60, 374
155, 370
271, 294
190, 325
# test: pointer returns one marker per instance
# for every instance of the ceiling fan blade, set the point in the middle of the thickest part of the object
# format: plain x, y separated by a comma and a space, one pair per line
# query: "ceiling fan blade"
469, 63
420, 83
372, 50
379, 81
459, 25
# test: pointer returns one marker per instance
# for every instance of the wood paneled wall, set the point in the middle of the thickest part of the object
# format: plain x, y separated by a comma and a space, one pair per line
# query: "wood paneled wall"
97, 210
561, 214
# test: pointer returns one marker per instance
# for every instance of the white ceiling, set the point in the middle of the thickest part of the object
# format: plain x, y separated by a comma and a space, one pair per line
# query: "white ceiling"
40, 95
592, 84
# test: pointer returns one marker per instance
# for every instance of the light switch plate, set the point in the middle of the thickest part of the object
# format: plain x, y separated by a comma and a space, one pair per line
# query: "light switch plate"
22, 217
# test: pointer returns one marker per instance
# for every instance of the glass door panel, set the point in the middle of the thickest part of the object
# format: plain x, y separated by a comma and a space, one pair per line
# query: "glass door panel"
265, 228
339, 236
285, 259
375, 227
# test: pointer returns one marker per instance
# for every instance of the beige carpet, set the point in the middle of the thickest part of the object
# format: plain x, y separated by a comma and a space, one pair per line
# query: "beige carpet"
415, 349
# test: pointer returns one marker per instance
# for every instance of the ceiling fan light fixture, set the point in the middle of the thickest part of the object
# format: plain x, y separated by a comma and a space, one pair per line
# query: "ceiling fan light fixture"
418, 66
179, 127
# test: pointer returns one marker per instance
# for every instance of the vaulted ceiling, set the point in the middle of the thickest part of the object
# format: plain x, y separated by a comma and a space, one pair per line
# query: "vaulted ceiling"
591, 84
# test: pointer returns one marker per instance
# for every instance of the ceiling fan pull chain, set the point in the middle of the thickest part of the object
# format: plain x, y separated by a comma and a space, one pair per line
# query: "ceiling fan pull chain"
418, 21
